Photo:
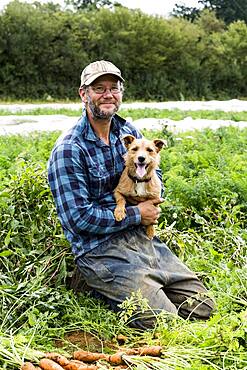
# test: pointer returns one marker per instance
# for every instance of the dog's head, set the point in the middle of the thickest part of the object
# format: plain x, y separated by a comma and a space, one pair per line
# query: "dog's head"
142, 155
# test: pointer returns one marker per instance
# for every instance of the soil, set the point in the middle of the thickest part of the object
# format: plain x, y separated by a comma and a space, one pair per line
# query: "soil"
79, 339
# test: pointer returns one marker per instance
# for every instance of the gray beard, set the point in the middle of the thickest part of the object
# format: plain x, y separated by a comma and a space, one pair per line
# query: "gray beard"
98, 114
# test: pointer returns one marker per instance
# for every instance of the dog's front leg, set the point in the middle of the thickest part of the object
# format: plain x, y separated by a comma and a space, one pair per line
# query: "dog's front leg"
150, 231
119, 211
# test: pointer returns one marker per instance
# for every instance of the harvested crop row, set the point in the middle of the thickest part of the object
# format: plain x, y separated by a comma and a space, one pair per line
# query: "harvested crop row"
48, 364
114, 359
82, 360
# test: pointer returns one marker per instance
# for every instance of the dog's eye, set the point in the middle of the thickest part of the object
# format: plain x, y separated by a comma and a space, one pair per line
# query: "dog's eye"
150, 150
134, 149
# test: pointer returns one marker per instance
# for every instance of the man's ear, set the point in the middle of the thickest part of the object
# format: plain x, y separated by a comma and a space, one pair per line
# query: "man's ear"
83, 95
127, 139
159, 144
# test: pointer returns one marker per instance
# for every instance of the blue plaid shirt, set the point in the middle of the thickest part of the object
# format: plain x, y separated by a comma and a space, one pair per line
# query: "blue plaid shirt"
83, 172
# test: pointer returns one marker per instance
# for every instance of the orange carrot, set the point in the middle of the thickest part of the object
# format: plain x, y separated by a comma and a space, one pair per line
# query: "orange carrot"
89, 356
47, 364
131, 351
81, 367
78, 365
117, 358
60, 359
121, 338
150, 351
27, 366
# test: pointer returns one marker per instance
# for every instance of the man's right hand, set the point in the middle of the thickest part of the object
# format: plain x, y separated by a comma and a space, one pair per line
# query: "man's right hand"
149, 211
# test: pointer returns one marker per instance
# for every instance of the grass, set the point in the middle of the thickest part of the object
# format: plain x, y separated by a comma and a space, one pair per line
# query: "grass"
203, 221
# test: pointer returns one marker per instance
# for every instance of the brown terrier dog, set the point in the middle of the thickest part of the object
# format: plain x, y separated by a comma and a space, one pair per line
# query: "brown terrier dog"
139, 180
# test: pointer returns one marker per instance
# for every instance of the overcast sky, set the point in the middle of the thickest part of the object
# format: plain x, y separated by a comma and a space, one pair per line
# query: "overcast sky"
162, 7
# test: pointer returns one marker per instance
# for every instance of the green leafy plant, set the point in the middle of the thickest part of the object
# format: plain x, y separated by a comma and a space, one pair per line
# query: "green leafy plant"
203, 221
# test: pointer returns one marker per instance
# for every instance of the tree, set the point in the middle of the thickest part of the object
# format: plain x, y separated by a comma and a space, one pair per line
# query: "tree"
186, 12
227, 10
209, 23
43, 50
89, 4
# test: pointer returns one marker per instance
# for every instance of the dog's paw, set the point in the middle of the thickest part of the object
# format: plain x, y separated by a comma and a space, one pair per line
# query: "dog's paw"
119, 213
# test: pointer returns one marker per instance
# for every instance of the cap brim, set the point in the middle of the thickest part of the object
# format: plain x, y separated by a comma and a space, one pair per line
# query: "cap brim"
93, 78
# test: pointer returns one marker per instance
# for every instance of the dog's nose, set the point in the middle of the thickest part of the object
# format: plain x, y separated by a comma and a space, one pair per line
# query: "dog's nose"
141, 159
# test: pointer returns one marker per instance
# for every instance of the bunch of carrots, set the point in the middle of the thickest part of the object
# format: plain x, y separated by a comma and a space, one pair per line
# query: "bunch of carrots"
84, 360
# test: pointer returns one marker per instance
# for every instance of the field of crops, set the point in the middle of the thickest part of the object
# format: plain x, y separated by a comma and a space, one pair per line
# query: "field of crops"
203, 221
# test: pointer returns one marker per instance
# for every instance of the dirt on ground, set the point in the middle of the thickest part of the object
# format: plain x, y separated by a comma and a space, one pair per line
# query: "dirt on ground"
83, 340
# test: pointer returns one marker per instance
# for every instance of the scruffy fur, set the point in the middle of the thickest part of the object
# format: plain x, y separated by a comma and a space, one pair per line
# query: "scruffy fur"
139, 180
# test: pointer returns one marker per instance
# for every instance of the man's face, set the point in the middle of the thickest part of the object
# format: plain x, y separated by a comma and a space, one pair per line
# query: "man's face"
103, 97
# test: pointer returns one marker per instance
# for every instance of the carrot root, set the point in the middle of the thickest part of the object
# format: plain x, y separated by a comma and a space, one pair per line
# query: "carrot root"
82, 359
47, 364
117, 358
121, 338
89, 356
154, 351
79, 365
60, 359
131, 351
28, 366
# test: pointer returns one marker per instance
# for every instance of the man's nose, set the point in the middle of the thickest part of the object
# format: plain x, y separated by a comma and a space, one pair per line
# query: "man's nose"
107, 91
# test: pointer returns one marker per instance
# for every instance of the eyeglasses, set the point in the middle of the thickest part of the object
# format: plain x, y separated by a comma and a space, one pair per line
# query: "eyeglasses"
101, 89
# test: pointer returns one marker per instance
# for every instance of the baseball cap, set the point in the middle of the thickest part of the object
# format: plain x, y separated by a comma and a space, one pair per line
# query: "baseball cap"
97, 69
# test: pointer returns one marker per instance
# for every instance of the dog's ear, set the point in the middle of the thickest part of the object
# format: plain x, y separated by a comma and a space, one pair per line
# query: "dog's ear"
127, 139
159, 144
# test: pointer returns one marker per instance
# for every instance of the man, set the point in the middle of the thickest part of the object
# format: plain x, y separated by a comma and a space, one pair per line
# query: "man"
115, 258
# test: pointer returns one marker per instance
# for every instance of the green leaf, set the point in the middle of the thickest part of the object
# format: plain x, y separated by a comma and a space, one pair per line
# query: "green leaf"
7, 238
6, 253
32, 318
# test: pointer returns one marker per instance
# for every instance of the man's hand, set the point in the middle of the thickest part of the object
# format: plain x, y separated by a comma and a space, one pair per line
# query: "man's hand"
149, 211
